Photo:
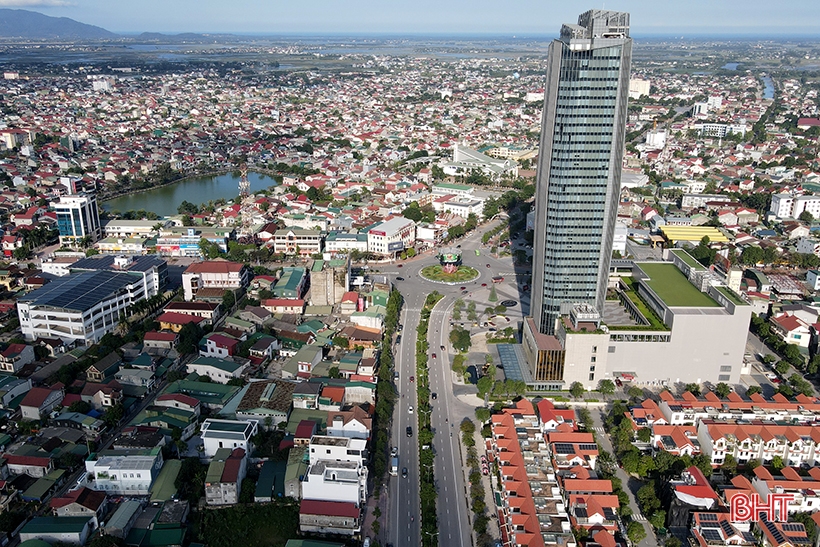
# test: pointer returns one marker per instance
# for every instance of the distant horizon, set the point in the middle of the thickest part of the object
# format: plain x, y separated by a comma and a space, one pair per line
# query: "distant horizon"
683, 36
754, 19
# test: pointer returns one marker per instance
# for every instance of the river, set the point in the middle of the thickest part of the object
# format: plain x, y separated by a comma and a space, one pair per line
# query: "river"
165, 200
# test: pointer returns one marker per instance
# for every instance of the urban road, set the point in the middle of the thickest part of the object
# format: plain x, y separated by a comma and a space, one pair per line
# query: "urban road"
454, 522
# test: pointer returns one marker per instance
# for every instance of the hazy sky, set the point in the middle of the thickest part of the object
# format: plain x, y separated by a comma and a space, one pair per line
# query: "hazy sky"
542, 17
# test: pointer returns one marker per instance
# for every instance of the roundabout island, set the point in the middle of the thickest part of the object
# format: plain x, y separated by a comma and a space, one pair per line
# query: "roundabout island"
449, 269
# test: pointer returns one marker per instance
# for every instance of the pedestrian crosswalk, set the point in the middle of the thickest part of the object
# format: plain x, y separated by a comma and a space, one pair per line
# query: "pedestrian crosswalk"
599, 429
638, 516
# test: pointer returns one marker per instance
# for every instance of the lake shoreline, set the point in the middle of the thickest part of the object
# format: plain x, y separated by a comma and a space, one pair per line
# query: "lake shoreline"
195, 188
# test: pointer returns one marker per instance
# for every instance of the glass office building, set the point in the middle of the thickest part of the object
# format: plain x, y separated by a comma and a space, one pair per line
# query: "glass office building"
579, 165
78, 218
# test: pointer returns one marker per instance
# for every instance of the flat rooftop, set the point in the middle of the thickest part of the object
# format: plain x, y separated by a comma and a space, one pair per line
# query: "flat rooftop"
671, 286
80, 292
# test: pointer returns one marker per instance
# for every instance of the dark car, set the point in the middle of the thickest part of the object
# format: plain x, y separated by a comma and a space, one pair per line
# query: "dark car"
409, 431
399, 278
488, 265
483, 284
400, 266
442, 348
412, 378
404, 472
463, 288
434, 356
434, 395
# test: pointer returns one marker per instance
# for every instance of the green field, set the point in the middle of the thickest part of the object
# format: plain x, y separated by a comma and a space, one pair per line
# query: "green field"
667, 281
257, 525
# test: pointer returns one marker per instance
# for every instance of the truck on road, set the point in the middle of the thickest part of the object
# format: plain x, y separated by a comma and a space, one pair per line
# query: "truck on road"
394, 466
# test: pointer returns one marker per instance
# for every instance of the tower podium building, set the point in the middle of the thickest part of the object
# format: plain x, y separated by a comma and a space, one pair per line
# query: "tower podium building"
579, 166
658, 323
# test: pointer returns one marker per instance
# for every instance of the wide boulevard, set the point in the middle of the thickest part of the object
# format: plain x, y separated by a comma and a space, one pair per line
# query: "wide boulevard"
454, 524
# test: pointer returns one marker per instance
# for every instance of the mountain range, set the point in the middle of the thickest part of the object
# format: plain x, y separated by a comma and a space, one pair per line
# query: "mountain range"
31, 25
19, 24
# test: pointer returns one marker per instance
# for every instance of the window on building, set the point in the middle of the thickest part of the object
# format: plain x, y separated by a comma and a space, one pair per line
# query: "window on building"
594, 349
591, 376
723, 378
726, 368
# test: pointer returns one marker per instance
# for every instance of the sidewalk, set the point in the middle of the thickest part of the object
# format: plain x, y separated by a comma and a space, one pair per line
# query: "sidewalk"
370, 517
606, 444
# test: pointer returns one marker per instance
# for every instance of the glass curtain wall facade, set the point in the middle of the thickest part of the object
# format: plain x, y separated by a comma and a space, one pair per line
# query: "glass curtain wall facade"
579, 166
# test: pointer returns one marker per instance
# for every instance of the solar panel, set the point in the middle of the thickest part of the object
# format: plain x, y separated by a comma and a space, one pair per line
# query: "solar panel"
792, 527
800, 540
711, 535
709, 525
750, 537
727, 528
563, 448
585, 446
707, 517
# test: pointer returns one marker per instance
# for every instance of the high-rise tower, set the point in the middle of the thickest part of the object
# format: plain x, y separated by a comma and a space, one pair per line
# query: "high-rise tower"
579, 164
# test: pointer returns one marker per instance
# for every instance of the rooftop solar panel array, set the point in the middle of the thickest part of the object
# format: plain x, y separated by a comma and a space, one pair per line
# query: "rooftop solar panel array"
80, 292
711, 534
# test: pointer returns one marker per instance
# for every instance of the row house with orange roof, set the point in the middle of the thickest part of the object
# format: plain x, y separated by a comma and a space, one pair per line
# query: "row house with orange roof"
758, 440
531, 511
689, 409
805, 490
680, 440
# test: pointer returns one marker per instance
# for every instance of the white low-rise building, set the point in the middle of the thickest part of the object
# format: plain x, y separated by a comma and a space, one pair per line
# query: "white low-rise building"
214, 274
231, 434
125, 475
292, 241
337, 470
81, 307
391, 236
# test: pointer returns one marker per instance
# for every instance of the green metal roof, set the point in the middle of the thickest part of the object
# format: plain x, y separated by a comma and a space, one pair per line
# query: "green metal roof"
164, 487
56, 525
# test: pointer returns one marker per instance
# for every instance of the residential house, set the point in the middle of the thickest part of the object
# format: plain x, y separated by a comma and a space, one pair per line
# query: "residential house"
355, 423
223, 483
102, 396
57, 530
218, 370
82, 502
792, 329
230, 434
15, 357
219, 345
104, 369
40, 401
124, 473
214, 274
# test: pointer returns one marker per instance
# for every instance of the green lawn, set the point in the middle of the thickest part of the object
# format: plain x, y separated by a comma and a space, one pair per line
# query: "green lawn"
687, 258
436, 273
667, 281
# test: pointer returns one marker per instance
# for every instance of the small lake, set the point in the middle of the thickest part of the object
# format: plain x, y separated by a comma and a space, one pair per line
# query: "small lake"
730, 66
768, 88
165, 200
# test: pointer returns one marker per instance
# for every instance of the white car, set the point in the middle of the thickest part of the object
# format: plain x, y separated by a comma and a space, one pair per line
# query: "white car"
410, 410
